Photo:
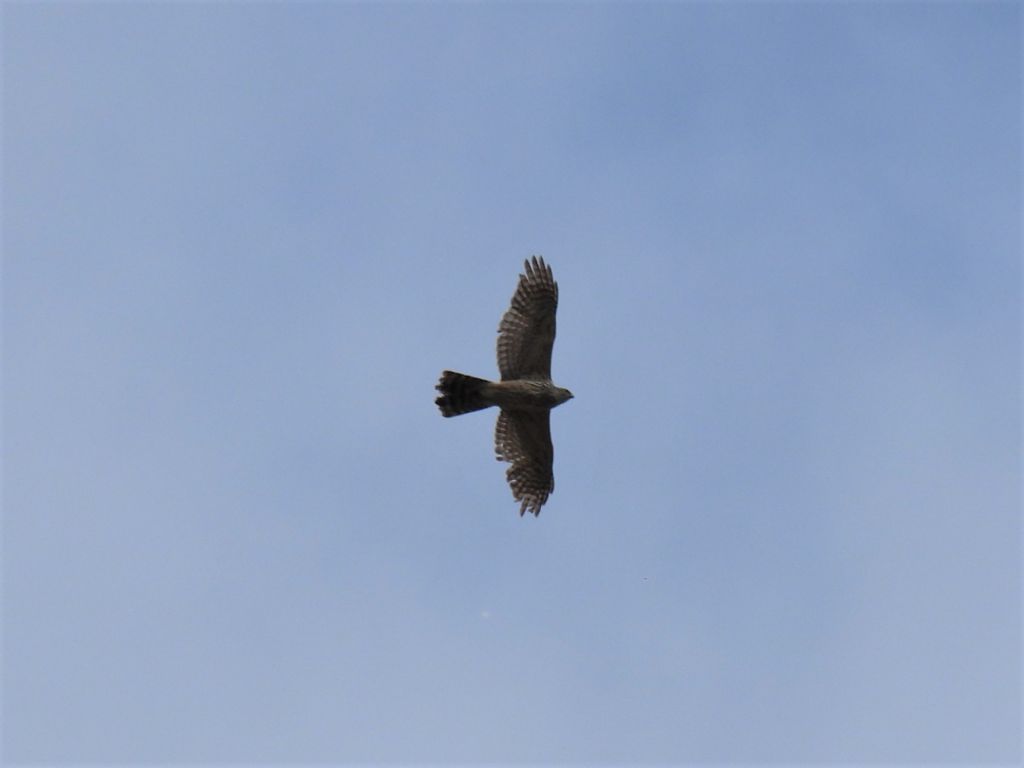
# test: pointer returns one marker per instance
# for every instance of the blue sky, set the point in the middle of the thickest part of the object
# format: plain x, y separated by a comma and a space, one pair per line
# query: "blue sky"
240, 243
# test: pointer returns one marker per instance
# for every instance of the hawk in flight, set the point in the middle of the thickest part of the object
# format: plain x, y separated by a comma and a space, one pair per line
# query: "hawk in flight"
525, 393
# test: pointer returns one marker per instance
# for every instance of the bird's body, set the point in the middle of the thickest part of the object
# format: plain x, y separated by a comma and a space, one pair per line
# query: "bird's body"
525, 393
464, 394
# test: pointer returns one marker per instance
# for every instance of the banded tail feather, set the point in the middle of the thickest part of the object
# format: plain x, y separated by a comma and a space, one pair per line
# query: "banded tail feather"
461, 394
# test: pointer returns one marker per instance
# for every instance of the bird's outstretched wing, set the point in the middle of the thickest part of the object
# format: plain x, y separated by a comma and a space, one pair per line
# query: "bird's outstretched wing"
527, 331
524, 439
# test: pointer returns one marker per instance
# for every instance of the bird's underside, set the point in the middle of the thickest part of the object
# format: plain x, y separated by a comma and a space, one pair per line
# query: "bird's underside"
525, 393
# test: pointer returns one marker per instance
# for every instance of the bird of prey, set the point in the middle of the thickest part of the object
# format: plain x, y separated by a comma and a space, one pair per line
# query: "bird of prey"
525, 393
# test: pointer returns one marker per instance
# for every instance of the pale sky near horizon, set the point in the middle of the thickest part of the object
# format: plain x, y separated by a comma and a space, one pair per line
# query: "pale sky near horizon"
241, 241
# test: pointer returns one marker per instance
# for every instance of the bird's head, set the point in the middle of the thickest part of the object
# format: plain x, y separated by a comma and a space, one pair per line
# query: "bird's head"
562, 395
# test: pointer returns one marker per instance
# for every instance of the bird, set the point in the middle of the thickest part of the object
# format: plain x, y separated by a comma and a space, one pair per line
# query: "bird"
525, 394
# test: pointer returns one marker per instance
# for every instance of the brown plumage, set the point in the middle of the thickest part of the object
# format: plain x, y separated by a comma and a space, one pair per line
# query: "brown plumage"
525, 393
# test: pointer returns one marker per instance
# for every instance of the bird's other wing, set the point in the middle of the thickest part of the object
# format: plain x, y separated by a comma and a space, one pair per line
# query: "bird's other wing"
524, 439
527, 331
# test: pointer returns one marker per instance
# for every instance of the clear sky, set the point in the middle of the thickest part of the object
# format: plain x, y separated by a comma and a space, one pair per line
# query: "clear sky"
240, 243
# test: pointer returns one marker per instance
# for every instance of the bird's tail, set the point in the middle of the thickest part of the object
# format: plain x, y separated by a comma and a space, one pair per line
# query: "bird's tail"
460, 393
